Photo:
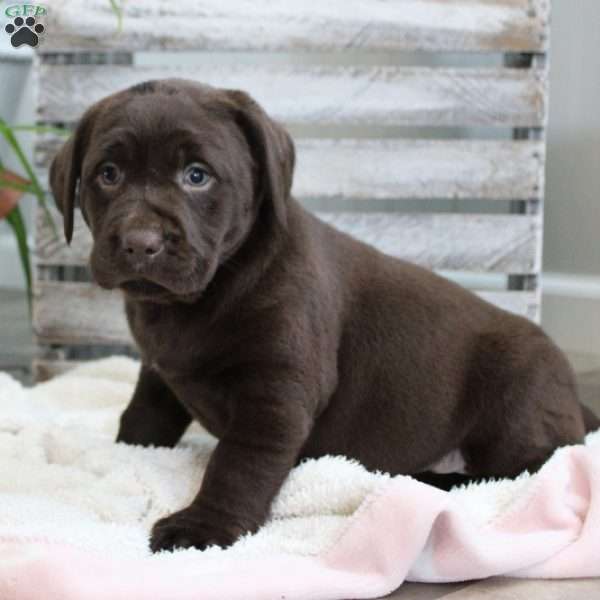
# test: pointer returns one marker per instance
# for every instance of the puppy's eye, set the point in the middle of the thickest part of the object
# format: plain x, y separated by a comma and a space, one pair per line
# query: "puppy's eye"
110, 174
196, 175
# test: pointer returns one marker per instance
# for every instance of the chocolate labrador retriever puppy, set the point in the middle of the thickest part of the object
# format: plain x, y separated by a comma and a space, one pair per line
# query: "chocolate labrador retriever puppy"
285, 338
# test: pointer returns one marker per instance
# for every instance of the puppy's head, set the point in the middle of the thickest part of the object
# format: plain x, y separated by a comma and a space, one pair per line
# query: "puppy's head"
171, 177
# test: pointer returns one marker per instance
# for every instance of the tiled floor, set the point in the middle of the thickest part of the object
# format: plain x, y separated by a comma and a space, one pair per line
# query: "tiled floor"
16, 350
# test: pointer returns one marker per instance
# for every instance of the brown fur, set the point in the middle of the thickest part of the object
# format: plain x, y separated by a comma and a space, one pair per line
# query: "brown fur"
284, 337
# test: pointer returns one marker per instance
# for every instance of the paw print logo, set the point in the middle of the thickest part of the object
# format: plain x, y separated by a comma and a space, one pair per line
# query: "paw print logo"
24, 31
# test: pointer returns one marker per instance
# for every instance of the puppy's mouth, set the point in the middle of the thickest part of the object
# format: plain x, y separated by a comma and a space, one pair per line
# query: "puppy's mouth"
163, 284
144, 290
143, 287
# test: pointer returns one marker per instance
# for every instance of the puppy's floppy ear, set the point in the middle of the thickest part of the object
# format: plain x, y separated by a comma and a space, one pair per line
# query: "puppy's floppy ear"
65, 171
273, 150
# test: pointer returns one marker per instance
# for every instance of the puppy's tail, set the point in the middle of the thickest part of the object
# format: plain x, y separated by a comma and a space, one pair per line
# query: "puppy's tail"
590, 420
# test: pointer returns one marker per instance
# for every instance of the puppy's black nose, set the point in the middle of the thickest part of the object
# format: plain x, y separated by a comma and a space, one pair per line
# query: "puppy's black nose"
143, 243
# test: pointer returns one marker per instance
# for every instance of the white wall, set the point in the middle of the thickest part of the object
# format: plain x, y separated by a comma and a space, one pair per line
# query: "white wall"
571, 307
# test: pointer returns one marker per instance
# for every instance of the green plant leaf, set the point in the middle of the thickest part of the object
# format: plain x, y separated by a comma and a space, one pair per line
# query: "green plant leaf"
17, 223
63, 131
37, 190
13, 185
118, 10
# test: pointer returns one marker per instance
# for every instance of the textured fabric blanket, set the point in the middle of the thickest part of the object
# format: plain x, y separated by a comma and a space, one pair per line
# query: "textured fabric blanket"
76, 510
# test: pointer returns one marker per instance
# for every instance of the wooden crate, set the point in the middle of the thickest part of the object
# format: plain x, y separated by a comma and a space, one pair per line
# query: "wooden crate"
372, 137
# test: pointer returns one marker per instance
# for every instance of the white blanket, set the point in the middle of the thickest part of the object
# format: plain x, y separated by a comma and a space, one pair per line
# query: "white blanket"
64, 481
63, 476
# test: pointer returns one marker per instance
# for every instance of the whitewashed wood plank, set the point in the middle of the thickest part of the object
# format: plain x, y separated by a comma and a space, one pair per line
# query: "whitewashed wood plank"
467, 242
383, 95
81, 313
50, 246
525, 304
461, 242
71, 313
398, 168
422, 169
470, 25
45, 369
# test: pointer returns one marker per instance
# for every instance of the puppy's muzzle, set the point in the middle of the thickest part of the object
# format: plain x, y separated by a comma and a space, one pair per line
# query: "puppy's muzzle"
142, 246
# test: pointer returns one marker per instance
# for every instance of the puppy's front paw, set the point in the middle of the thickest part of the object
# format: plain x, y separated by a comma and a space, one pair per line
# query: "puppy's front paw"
188, 529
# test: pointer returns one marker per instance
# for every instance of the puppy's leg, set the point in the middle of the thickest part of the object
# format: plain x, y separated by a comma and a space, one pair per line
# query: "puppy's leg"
154, 415
526, 399
245, 471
